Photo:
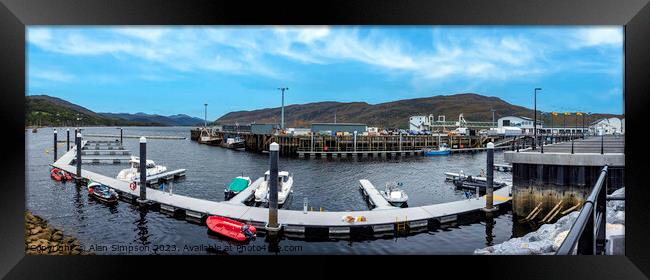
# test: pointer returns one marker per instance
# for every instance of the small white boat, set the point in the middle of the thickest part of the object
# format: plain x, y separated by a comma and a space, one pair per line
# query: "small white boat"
237, 185
285, 182
394, 195
133, 173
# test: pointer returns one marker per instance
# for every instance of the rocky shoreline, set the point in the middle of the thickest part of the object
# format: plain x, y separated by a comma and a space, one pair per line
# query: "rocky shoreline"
43, 239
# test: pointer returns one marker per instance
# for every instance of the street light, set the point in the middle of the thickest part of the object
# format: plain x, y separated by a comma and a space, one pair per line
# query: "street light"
493, 117
535, 120
564, 120
205, 117
283, 89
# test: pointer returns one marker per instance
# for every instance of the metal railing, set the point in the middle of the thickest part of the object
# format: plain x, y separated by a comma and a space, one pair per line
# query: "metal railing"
587, 234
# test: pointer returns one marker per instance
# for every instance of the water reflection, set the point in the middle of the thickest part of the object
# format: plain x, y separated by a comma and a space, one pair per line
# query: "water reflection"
142, 229
329, 183
489, 226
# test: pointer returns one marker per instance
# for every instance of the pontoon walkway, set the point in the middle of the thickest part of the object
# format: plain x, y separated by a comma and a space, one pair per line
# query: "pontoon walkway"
385, 220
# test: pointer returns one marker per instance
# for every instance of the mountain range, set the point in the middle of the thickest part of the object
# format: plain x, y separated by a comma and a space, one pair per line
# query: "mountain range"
394, 114
44, 110
173, 120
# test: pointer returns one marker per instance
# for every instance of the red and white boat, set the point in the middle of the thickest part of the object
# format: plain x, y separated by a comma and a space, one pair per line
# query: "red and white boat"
60, 175
230, 228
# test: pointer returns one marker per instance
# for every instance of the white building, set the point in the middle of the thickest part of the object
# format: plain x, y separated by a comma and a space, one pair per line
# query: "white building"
420, 123
607, 126
524, 123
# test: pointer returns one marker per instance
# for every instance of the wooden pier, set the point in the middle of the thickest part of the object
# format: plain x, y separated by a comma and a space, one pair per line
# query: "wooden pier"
317, 145
292, 221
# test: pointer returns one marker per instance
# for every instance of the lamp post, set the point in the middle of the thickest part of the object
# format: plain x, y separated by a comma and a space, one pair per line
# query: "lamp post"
283, 89
535, 119
493, 125
564, 121
588, 120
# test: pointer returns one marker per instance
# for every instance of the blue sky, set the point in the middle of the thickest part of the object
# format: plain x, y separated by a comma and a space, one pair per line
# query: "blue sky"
173, 70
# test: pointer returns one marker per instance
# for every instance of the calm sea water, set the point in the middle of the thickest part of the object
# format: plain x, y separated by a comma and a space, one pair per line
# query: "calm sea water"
328, 183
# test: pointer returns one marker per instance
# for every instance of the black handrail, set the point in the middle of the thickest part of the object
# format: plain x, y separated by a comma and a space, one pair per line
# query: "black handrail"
588, 231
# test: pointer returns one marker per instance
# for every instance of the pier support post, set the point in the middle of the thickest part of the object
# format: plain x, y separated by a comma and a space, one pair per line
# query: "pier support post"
67, 137
272, 226
78, 147
400, 141
355, 140
489, 202
142, 200
121, 142
76, 130
55, 145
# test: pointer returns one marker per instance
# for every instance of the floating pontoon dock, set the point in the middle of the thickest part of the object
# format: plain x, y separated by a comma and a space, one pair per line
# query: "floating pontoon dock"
166, 176
450, 176
165, 137
373, 195
502, 167
197, 210
246, 193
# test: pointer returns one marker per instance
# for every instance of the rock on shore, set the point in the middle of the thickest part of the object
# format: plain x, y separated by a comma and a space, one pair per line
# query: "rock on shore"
548, 238
43, 239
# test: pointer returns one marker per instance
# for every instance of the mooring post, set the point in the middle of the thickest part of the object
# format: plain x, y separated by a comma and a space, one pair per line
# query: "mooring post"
312, 141
272, 226
55, 144
76, 130
305, 203
602, 144
78, 147
489, 207
67, 137
143, 171
571, 145
542, 144
355, 140
518, 140
121, 141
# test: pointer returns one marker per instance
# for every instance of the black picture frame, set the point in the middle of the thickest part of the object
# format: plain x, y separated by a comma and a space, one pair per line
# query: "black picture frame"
15, 15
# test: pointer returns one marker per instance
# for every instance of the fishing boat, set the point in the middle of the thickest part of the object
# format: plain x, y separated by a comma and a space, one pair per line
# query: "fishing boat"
237, 185
285, 182
394, 195
132, 173
102, 193
230, 228
206, 137
234, 143
443, 149
60, 175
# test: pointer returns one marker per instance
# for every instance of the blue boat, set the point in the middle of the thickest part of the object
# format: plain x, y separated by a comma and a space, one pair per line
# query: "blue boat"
442, 150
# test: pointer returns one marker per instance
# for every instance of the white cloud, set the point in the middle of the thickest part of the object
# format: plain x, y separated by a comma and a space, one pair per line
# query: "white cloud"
51, 75
598, 36
151, 34
244, 50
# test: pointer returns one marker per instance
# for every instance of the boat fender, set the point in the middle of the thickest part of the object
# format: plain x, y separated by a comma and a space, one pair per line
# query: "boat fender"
132, 186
